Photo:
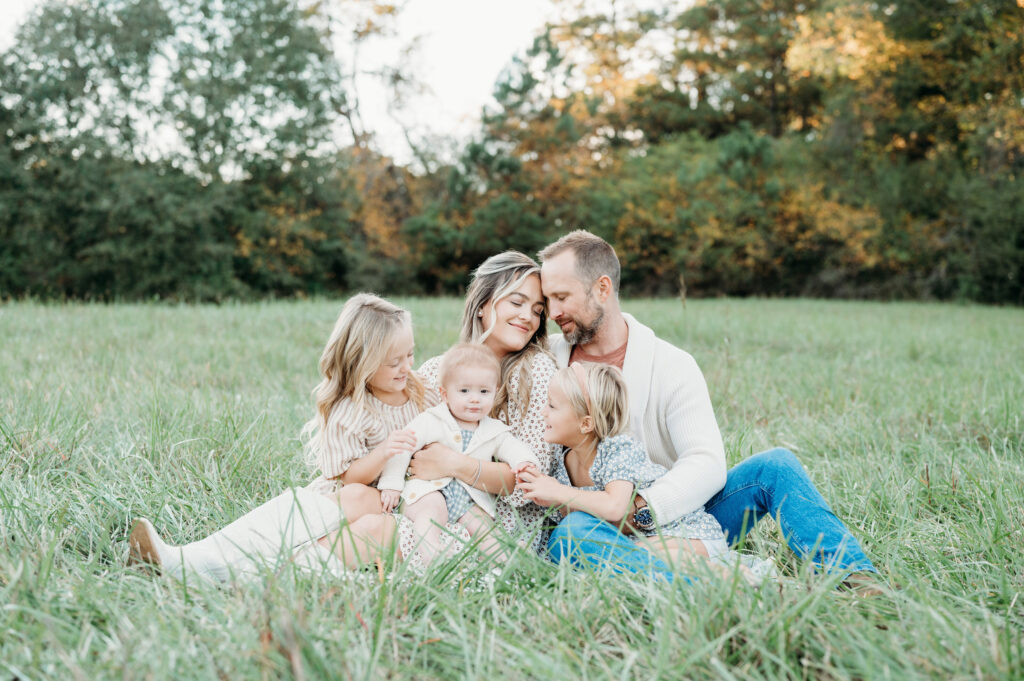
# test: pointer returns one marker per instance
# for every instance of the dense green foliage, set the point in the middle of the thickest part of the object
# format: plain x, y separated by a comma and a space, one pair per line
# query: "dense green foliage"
169, 149
906, 416
781, 147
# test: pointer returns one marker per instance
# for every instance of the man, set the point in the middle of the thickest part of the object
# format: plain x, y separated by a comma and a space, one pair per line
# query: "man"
671, 413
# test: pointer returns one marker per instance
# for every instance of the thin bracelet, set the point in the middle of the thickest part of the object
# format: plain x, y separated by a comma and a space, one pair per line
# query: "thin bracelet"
479, 469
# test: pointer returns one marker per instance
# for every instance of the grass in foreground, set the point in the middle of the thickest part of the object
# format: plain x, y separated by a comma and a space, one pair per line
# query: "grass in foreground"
907, 416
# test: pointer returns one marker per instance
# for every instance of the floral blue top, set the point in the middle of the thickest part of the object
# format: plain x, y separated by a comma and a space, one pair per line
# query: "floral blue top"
623, 458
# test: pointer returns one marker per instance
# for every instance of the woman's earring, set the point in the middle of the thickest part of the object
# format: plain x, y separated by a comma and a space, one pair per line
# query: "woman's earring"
480, 313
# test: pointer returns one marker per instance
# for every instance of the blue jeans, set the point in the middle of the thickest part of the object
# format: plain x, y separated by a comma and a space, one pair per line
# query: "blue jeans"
770, 483
587, 541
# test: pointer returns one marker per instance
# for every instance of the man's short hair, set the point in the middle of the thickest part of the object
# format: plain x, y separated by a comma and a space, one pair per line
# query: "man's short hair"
594, 256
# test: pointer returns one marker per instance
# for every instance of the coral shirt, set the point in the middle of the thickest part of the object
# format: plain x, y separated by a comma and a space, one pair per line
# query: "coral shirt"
615, 358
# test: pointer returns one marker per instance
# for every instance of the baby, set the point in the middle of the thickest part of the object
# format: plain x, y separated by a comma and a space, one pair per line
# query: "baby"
468, 375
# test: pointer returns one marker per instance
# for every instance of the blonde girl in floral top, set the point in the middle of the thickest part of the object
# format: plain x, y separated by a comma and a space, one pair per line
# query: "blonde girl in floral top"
600, 467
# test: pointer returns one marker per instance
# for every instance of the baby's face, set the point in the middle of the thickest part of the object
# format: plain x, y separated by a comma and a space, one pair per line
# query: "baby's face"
469, 393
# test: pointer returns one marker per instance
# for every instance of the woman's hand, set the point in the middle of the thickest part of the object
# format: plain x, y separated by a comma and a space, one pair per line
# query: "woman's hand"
398, 442
542, 490
435, 461
389, 499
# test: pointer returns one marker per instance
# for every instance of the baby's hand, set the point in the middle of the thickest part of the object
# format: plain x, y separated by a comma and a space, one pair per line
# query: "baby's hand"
523, 467
389, 499
398, 442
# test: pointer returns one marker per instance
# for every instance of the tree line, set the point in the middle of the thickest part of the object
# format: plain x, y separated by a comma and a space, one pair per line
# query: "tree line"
211, 149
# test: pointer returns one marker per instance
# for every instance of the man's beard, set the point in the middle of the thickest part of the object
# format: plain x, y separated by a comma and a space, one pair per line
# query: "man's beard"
583, 334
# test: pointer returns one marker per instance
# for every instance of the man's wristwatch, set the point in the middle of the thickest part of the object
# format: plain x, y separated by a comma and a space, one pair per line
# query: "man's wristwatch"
642, 517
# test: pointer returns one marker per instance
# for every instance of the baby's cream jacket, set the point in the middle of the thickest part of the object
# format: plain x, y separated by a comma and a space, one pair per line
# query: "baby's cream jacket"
491, 441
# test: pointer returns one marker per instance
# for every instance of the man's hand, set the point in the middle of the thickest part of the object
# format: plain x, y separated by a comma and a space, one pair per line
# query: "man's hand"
434, 461
389, 499
630, 526
542, 490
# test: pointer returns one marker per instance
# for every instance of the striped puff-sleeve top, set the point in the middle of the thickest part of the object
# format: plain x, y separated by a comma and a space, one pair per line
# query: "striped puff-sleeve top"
352, 431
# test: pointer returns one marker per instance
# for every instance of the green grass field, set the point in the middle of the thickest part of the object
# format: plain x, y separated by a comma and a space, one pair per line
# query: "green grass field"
908, 417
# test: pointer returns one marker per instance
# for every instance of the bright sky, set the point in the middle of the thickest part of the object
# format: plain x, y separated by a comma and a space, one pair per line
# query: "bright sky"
464, 46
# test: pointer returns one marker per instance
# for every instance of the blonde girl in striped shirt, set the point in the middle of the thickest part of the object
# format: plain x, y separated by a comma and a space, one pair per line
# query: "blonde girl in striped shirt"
367, 395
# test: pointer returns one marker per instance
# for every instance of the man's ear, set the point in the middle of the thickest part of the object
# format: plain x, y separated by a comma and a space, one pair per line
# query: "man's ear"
603, 289
586, 424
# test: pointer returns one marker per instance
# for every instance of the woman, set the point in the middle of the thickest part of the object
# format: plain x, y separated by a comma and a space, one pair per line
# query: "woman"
504, 311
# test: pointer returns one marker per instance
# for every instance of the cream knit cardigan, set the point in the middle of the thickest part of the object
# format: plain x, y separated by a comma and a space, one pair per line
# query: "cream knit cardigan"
491, 441
670, 413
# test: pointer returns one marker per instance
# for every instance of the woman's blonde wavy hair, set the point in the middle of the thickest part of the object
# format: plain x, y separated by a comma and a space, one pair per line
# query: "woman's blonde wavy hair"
496, 278
356, 349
